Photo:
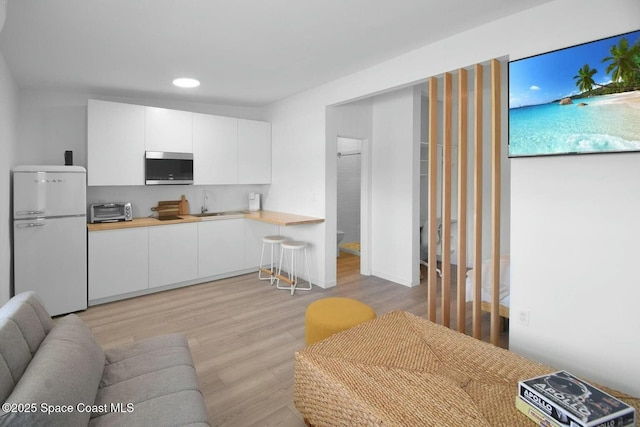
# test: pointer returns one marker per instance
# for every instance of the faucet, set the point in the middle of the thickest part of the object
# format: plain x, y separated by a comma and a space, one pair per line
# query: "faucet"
204, 207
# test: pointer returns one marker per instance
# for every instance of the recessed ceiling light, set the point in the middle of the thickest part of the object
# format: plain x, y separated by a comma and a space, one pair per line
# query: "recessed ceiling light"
186, 82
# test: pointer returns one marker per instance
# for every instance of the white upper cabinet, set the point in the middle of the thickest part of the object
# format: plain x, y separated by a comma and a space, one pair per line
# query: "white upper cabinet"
225, 150
254, 152
115, 143
168, 130
215, 150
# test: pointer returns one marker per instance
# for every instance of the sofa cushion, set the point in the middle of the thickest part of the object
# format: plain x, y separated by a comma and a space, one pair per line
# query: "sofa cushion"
162, 342
154, 376
65, 371
24, 323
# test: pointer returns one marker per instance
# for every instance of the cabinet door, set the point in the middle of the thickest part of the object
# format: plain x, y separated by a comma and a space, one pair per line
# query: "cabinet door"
254, 152
254, 231
215, 150
118, 262
115, 143
168, 130
220, 247
173, 254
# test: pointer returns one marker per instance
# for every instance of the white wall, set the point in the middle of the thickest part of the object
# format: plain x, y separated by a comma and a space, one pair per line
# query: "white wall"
8, 110
395, 186
301, 139
575, 232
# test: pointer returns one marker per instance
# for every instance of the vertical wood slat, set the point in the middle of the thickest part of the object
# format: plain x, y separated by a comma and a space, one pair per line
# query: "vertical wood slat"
461, 245
495, 199
432, 216
446, 200
477, 202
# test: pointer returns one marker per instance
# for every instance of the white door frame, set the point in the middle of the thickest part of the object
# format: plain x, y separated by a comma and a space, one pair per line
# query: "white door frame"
365, 208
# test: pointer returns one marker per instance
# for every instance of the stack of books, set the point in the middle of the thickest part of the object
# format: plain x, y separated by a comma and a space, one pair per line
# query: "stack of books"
560, 399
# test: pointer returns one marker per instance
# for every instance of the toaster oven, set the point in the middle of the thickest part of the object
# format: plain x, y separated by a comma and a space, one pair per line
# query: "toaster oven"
111, 212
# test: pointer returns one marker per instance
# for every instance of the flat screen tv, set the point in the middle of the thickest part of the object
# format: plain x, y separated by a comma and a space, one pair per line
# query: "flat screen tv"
577, 100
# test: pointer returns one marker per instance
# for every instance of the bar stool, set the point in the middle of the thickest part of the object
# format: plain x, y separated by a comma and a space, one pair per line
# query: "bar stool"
295, 247
269, 274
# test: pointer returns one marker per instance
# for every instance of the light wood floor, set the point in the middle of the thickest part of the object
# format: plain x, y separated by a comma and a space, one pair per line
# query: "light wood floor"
243, 334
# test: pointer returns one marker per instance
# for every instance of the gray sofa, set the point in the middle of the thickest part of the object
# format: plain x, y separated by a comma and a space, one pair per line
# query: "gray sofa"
54, 373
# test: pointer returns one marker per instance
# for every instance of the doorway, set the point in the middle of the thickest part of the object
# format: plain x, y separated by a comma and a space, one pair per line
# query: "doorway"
349, 206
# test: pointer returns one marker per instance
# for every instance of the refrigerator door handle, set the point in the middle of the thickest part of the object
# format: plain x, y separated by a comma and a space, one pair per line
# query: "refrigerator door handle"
30, 213
31, 224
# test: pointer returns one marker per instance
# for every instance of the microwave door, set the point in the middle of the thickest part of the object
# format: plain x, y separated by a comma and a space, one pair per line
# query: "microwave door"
168, 168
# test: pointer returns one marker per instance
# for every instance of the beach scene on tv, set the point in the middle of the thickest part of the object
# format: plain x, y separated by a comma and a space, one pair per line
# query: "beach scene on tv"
582, 99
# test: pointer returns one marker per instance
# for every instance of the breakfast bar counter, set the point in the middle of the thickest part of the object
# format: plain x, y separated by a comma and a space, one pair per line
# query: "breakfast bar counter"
271, 217
281, 218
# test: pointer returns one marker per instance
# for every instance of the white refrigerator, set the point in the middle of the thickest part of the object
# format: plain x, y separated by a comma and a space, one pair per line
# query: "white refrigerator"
50, 235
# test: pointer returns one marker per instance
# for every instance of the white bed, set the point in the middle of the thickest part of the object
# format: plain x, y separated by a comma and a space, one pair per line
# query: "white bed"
505, 281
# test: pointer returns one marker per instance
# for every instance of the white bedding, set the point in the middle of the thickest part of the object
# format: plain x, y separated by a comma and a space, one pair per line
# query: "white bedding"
505, 281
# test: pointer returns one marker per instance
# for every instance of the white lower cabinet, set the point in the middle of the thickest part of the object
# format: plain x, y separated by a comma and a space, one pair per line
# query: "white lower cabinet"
128, 260
118, 262
254, 231
173, 254
220, 246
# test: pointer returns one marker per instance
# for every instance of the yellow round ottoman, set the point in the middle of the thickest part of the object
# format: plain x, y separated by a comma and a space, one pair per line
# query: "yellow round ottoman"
329, 316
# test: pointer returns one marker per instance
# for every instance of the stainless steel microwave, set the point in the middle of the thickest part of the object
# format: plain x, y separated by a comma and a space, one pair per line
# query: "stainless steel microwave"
163, 167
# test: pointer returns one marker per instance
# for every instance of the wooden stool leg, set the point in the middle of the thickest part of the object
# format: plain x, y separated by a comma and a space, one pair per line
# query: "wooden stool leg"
273, 271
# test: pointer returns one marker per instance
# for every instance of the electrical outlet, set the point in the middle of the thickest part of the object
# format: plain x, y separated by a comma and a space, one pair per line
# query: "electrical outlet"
524, 317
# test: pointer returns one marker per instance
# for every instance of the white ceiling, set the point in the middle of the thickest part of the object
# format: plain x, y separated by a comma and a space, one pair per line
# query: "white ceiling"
245, 52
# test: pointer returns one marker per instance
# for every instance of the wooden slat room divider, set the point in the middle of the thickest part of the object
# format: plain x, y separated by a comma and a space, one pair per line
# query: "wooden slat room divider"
432, 179
446, 196
477, 202
446, 218
461, 246
495, 199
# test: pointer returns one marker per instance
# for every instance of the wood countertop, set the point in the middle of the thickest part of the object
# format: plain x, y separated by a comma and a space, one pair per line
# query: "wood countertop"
281, 218
140, 222
272, 217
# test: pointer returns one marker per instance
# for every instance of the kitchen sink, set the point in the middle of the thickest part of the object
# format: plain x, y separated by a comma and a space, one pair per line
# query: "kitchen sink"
206, 215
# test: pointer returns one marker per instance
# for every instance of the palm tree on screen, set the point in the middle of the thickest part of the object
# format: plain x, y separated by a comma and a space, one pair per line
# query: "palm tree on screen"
584, 78
623, 64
